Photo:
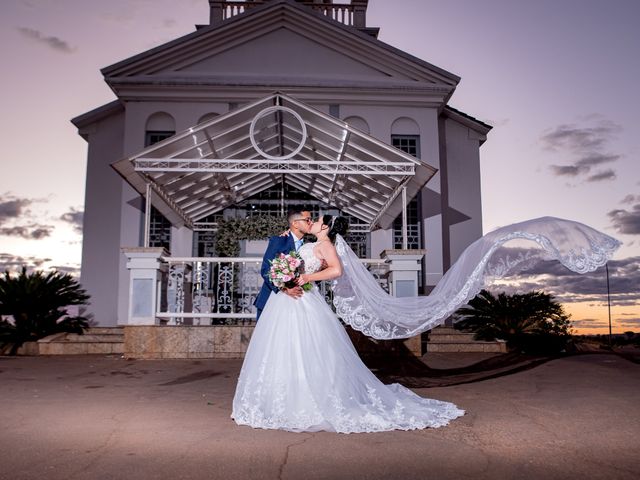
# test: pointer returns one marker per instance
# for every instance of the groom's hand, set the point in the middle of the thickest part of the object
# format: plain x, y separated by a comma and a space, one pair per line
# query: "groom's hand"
295, 292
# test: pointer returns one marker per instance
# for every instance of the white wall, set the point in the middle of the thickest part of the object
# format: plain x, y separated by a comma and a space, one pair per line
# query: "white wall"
380, 120
101, 229
463, 173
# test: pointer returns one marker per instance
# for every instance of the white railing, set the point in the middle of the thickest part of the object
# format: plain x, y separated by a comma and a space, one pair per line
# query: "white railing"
341, 12
221, 290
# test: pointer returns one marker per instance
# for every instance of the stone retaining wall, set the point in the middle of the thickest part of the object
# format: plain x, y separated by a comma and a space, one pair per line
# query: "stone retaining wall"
155, 341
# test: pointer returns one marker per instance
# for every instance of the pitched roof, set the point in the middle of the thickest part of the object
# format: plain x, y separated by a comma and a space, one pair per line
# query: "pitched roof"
97, 114
467, 120
212, 40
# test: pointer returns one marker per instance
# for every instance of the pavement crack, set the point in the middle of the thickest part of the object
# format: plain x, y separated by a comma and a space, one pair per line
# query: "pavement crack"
286, 454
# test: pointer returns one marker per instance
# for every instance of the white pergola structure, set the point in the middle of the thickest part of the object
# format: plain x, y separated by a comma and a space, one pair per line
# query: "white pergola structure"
229, 158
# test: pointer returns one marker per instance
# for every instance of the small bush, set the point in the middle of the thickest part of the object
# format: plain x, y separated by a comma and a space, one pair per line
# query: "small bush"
36, 306
532, 323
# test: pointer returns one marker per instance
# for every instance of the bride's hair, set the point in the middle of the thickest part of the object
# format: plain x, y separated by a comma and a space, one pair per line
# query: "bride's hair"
337, 225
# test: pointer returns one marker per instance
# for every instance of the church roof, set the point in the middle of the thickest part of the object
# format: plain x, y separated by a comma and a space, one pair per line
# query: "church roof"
172, 63
217, 163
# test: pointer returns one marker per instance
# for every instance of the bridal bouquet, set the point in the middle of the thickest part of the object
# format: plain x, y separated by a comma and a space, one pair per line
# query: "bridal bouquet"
285, 269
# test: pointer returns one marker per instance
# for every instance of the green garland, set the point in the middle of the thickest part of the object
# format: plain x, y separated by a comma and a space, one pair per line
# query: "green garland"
231, 231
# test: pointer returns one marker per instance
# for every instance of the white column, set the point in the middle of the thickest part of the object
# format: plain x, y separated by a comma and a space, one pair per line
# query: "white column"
405, 240
145, 276
404, 268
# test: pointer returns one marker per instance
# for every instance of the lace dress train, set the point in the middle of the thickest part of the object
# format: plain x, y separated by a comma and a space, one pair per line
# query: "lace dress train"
301, 373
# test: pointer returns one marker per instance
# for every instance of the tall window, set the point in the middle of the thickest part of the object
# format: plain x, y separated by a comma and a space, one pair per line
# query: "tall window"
159, 230
160, 227
411, 145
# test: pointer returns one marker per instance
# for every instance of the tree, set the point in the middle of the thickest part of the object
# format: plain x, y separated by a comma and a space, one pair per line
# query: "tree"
532, 322
37, 304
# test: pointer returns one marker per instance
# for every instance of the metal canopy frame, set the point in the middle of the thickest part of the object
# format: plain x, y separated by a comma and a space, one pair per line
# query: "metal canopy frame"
213, 165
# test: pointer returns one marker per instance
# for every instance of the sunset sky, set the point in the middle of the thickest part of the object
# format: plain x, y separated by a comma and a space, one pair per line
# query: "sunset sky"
556, 78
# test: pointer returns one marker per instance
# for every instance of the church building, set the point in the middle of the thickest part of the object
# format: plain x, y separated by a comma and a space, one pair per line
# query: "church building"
272, 103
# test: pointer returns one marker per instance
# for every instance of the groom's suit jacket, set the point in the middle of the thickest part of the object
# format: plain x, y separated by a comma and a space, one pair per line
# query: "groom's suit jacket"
277, 245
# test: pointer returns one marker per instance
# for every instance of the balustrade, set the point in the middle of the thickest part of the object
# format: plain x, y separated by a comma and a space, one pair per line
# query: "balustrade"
345, 13
221, 290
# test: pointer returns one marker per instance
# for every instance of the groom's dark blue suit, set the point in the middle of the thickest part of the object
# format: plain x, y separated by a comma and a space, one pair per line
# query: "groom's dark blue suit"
277, 245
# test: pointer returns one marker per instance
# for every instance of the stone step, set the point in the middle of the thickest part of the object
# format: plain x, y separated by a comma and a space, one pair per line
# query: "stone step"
449, 337
91, 338
493, 347
74, 348
446, 331
457, 341
95, 340
105, 330
449, 340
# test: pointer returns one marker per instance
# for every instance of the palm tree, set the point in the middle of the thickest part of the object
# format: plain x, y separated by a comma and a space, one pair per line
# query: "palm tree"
532, 322
37, 303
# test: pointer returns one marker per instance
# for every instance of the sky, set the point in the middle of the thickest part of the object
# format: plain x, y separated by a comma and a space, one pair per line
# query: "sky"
555, 78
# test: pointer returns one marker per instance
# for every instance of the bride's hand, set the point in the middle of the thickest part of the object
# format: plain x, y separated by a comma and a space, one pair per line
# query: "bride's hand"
302, 279
286, 233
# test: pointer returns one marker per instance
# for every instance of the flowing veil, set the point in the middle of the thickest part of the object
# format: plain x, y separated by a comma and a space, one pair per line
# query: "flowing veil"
363, 304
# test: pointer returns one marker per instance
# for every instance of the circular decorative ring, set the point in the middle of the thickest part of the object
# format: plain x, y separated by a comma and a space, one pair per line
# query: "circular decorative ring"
266, 112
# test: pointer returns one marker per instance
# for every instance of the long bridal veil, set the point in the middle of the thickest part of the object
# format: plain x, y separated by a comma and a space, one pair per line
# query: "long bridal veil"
363, 304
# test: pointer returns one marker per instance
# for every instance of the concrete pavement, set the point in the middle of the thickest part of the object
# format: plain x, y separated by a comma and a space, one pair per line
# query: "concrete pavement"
98, 417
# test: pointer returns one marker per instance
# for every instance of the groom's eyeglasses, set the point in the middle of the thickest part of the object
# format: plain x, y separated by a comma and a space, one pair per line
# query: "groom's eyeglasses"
306, 219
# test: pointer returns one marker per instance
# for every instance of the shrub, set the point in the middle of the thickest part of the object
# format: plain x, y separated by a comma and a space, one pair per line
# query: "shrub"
532, 322
36, 303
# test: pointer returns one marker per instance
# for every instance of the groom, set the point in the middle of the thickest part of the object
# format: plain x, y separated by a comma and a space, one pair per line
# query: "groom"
299, 223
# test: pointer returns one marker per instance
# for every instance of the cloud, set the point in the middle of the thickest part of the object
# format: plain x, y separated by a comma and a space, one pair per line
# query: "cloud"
570, 287
597, 159
29, 232
590, 323
569, 170
580, 139
15, 262
74, 217
52, 42
70, 269
12, 207
585, 144
628, 322
624, 220
608, 174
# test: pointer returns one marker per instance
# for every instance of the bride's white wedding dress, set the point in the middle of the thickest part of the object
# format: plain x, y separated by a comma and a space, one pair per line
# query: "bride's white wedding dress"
301, 373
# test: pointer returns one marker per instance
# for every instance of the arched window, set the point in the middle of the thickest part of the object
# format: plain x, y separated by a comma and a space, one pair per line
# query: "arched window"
160, 125
359, 123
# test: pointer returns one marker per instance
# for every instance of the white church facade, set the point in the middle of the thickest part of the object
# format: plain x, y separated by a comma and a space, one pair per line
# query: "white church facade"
273, 103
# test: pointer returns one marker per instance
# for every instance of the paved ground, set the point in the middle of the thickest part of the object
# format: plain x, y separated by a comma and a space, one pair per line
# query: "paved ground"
109, 418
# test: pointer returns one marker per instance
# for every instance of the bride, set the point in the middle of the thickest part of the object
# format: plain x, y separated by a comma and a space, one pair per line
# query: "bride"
301, 372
